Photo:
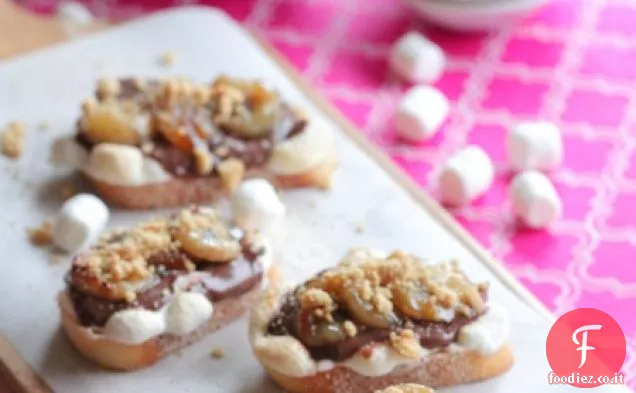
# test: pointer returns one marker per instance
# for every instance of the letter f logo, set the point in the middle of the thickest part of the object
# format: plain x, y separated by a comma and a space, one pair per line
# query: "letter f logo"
583, 344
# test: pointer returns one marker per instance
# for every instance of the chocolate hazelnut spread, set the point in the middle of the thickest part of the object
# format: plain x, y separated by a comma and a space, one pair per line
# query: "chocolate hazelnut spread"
217, 281
201, 129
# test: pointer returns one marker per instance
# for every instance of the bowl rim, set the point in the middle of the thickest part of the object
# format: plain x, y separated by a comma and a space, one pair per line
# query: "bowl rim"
476, 7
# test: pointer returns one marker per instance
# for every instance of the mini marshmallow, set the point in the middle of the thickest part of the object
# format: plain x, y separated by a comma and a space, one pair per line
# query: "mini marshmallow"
134, 326
74, 12
256, 207
535, 145
186, 312
420, 113
116, 164
80, 220
534, 199
465, 176
416, 59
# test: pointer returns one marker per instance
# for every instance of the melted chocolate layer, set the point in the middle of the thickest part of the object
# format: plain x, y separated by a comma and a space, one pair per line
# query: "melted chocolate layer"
217, 281
431, 334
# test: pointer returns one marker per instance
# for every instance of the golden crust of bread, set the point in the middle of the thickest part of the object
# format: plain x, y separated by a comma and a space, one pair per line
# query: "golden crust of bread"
115, 355
437, 370
185, 191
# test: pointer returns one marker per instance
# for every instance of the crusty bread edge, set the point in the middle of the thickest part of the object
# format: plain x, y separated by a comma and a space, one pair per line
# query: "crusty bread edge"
438, 369
115, 355
441, 369
184, 191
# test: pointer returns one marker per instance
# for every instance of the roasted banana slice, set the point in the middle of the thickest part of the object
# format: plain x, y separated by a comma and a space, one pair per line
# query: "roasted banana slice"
213, 243
367, 312
245, 108
112, 121
415, 303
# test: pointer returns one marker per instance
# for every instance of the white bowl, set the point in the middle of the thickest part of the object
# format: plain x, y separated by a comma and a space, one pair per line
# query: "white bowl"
474, 15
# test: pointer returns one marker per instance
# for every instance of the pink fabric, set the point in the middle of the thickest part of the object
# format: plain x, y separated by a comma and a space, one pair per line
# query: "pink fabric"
571, 63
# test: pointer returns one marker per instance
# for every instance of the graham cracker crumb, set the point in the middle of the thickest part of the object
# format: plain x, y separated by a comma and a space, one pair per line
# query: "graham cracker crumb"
315, 298
406, 343
168, 58
360, 228
12, 139
218, 353
350, 328
42, 235
204, 160
231, 172
44, 125
57, 256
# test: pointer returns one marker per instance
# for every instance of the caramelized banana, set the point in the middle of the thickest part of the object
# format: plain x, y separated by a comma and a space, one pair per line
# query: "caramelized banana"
113, 122
213, 244
415, 303
244, 107
314, 332
365, 312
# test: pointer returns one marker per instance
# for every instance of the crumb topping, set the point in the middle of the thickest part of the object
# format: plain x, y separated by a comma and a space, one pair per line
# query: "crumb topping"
12, 140
218, 353
119, 263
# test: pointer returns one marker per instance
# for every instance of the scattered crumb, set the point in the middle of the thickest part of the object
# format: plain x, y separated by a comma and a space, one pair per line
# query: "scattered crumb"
12, 139
360, 228
57, 256
218, 353
42, 235
67, 191
168, 58
43, 125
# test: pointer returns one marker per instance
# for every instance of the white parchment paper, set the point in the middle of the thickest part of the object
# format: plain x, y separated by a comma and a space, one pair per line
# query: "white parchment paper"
50, 84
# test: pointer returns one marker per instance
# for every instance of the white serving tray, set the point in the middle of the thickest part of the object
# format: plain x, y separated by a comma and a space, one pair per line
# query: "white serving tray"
50, 84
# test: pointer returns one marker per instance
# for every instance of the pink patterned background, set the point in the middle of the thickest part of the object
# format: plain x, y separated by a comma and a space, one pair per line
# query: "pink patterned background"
573, 63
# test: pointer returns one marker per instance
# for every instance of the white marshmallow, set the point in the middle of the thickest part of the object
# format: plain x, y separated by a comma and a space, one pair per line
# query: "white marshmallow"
420, 113
74, 12
488, 333
534, 145
134, 326
186, 312
416, 59
80, 220
116, 164
534, 199
256, 207
465, 176
67, 152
